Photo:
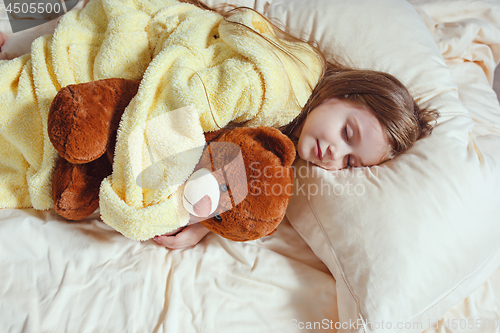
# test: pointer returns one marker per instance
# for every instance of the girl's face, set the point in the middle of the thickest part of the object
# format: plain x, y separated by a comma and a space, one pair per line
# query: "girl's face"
338, 134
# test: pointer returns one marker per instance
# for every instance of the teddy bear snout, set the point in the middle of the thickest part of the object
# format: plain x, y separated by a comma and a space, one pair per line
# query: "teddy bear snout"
201, 193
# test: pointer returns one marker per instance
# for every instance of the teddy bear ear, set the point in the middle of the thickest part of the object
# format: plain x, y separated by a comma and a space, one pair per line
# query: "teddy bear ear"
272, 232
278, 143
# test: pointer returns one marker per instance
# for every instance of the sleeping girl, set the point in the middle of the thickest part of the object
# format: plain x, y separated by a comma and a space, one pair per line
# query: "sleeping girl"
234, 66
353, 118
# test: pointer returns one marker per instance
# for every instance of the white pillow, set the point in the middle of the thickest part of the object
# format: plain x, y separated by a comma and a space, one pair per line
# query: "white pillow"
408, 239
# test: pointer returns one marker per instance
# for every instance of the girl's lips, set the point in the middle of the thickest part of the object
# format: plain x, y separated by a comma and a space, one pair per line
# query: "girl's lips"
319, 153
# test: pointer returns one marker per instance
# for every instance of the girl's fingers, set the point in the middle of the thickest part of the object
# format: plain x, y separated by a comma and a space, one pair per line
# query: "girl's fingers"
189, 236
159, 240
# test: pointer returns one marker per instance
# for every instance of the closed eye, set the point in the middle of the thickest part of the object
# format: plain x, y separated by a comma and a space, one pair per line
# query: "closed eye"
346, 138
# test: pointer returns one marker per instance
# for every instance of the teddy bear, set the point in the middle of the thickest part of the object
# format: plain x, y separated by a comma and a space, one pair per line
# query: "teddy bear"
252, 179
239, 189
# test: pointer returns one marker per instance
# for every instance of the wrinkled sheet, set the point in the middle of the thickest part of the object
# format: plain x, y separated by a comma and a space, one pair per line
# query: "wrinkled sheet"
57, 276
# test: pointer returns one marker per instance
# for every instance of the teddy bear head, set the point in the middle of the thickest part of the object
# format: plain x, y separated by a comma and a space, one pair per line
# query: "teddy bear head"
243, 182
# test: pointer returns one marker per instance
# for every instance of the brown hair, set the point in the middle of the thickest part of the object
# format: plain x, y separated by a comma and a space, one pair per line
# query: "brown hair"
403, 120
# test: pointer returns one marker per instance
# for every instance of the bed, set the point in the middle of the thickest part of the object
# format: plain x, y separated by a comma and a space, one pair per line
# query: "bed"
59, 276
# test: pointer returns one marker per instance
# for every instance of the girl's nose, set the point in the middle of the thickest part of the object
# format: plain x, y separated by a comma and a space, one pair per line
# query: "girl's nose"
337, 155
337, 152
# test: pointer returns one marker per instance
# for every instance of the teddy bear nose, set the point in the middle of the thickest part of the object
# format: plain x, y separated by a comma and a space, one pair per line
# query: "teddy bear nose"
203, 207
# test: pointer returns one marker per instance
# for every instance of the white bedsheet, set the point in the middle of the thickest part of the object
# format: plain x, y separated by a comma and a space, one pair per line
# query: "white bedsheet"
57, 276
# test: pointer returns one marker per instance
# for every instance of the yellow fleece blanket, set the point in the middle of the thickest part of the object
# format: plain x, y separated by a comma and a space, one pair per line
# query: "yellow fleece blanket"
191, 61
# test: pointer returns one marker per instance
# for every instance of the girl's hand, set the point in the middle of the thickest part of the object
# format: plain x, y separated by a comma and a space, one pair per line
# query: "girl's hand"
187, 237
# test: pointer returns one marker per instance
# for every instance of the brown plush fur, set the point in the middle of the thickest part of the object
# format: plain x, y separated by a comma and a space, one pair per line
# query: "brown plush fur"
82, 125
75, 187
268, 155
84, 117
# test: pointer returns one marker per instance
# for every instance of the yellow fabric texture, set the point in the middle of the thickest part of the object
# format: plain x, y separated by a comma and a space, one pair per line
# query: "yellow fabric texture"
184, 56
